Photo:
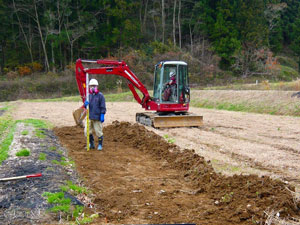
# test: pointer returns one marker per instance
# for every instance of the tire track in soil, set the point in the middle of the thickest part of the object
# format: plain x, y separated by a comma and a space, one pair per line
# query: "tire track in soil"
140, 178
283, 173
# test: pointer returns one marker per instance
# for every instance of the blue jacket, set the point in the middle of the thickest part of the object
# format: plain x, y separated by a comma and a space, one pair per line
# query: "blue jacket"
96, 106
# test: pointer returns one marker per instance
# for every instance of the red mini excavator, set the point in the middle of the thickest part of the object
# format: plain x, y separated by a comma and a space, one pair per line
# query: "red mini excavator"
171, 93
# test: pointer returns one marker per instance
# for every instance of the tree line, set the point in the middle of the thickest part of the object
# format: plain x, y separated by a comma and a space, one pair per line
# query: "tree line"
241, 33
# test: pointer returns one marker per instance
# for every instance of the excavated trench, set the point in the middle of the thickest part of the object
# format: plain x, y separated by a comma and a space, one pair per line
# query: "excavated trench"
141, 178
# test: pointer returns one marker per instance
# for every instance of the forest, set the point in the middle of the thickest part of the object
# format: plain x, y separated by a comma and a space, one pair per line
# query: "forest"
243, 38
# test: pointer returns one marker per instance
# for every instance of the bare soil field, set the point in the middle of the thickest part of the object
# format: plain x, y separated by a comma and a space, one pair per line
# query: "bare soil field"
234, 142
140, 177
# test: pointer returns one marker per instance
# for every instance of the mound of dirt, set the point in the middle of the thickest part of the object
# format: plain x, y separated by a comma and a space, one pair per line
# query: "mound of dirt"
141, 178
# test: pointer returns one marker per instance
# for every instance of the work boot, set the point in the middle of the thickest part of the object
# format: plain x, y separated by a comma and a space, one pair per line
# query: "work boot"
92, 145
100, 141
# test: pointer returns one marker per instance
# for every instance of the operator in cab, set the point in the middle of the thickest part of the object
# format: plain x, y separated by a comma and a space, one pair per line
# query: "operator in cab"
169, 91
97, 110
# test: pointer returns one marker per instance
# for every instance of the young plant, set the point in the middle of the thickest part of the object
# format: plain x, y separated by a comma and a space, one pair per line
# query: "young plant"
42, 156
52, 148
62, 204
25, 132
227, 197
40, 133
23, 152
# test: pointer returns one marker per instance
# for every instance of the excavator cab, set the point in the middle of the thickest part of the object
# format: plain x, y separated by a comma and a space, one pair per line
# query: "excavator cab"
171, 83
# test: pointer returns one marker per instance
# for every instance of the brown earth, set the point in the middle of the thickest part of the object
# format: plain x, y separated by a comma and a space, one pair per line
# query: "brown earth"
141, 178
235, 142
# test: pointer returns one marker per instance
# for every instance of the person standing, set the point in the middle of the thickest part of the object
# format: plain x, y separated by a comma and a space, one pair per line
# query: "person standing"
97, 110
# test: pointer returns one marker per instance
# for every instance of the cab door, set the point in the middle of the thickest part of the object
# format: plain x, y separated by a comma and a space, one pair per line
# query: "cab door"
183, 84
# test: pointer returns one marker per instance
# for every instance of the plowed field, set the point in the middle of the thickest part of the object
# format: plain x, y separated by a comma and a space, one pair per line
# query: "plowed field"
141, 178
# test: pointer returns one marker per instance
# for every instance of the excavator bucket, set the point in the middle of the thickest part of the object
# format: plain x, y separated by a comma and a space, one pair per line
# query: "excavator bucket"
167, 121
79, 115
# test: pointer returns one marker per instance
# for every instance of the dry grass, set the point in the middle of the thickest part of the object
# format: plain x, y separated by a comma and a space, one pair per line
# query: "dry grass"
273, 217
270, 102
262, 85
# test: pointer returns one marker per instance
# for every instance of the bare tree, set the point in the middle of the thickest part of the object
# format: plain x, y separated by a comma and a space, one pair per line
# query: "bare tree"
27, 36
174, 24
163, 19
273, 13
42, 36
145, 15
179, 22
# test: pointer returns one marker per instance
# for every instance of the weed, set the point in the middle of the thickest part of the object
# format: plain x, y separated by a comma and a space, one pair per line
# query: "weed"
40, 133
52, 148
25, 132
60, 152
166, 136
87, 219
227, 197
8, 126
36, 123
63, 205
42, 156
73, 188
63, 162
169, 139
50, 169
23, 152
212, 129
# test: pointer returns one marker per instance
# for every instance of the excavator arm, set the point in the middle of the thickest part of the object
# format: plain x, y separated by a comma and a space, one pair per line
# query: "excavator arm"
109, 67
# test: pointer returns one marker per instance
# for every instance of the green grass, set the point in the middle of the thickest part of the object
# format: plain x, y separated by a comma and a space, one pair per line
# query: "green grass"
52, 148
40, 133
63, 99
5, 123
42, 156
115, 97
63, 162
262, 85
169, 139
7, 129
118, 97
62, 205
25, 132
23, 152
36, 123
74, 188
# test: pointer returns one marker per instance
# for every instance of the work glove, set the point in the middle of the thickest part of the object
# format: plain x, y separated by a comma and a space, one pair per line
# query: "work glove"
86, 103
102, 118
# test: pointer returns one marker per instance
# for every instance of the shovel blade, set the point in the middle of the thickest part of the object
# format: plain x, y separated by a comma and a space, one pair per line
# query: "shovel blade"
79, 115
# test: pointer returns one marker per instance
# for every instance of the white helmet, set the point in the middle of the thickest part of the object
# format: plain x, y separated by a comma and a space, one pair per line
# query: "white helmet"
93, 82
172, 73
